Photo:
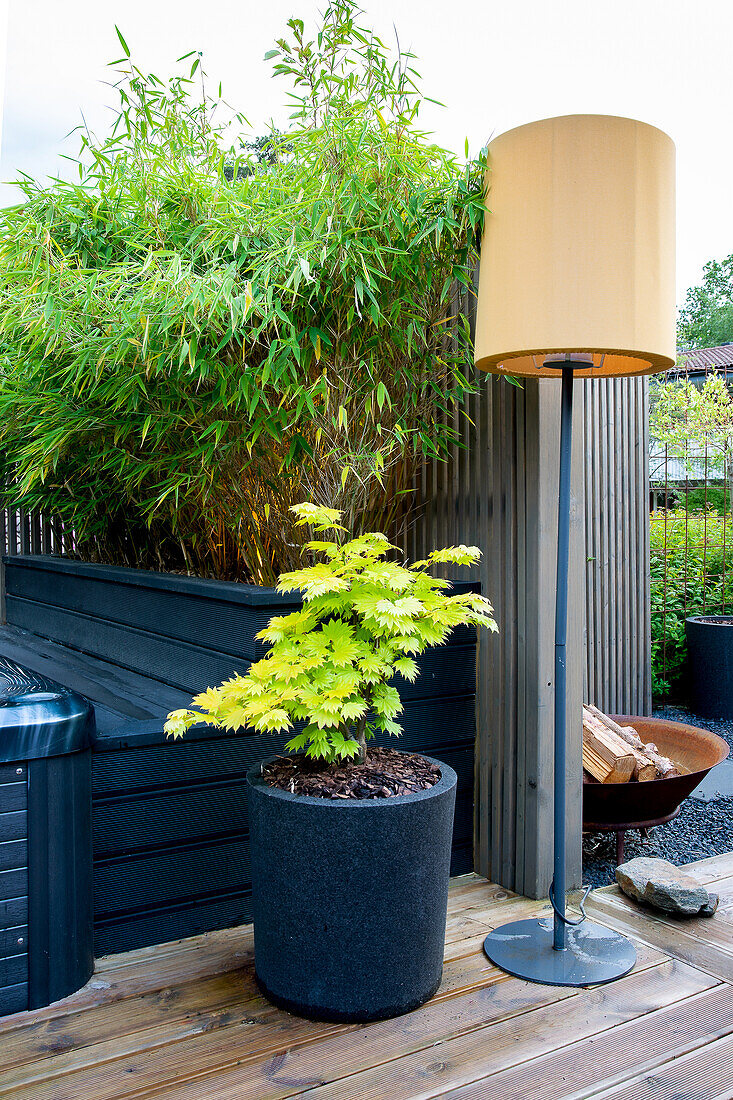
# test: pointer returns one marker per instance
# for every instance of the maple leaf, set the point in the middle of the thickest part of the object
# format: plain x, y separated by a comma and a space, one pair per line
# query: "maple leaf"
329, 665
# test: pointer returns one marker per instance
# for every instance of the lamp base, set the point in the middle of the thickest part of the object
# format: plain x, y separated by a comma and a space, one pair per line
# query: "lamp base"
593, 954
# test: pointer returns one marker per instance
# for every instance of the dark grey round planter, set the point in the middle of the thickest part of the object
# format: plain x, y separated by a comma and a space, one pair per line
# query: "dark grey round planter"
350, 898
710, 665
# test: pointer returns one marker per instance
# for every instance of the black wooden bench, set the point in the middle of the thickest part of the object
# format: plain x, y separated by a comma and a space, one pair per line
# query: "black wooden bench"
169, 819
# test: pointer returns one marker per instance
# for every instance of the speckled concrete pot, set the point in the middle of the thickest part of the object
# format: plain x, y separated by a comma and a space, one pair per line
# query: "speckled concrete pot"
350, 898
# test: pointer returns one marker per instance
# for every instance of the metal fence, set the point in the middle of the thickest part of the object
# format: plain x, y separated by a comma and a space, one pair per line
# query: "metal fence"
691, 533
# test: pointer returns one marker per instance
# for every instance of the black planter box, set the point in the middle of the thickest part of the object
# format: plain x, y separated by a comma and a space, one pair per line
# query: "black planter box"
350, 899
171, 850
710, 665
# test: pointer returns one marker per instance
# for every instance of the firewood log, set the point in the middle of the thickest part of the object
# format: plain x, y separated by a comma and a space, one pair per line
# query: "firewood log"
594, 764
606, 756
645, 768
664, 768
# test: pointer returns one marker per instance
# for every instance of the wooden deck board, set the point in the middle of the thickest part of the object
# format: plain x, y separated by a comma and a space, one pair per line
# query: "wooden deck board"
239, 1027
488, 1031
185, 1021
702, 1074
702, 942
626, 1052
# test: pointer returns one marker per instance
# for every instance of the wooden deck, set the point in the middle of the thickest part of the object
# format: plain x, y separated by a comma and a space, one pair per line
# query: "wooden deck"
184, 1021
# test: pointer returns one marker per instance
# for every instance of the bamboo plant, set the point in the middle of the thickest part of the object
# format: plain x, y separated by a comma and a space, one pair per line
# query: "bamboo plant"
194, 333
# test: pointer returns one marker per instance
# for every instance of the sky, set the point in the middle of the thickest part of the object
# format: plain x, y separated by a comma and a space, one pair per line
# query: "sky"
493, 64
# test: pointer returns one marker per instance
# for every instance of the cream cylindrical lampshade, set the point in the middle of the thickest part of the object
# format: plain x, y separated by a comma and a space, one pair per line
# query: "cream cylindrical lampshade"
578, 248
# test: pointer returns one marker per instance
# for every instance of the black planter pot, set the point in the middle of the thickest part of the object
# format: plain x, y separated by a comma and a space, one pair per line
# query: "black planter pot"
710, 665
350, 898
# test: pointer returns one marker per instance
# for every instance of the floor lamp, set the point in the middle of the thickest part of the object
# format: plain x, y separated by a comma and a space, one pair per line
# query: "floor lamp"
576, 281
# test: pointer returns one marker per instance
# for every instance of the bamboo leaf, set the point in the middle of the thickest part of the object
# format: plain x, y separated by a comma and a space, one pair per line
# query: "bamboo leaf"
124, 45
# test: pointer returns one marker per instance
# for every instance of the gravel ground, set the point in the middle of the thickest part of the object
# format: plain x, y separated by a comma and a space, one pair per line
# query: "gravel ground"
702, 828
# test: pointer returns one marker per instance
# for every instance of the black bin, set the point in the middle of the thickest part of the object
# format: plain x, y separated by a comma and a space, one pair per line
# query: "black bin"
46, 913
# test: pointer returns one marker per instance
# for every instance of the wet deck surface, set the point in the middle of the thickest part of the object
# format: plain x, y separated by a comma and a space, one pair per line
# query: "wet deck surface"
185, 1021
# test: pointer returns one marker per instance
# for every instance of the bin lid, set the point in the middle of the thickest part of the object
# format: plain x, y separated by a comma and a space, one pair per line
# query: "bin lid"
40, 718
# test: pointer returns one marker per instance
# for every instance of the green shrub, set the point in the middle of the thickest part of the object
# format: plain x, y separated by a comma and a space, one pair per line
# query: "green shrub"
364, 618
702, 498
192, 337
691, 574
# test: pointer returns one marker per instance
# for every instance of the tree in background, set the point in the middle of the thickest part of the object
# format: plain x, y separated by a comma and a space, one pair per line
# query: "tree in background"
706, 319
196, 335
692, 420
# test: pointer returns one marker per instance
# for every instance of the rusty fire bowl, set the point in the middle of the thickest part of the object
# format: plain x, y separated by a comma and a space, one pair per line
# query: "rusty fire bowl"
697, 750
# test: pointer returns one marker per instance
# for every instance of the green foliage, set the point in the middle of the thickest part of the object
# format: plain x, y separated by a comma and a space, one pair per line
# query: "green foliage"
706, 319
715, 498
691, 574
364, 618
203, 328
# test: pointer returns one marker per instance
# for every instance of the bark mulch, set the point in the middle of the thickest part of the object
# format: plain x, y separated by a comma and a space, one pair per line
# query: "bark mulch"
385, 773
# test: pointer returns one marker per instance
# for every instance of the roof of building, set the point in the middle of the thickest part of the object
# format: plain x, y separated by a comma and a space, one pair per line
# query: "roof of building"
702, 358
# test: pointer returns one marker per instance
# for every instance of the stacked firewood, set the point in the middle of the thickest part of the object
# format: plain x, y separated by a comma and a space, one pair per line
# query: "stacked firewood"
616, 754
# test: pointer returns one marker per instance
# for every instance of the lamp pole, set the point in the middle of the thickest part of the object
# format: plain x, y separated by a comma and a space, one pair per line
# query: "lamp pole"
561, 633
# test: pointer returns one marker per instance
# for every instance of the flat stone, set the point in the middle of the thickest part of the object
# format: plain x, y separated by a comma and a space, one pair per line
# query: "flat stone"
664, 886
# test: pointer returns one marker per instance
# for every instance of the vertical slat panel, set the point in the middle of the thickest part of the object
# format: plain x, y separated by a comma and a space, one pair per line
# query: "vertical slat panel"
588, 487
618, 631
45, 536
623, 464
505, 500
610, 569
34, 521
13, 546
594, 616
25, 544
24, 532
605, 509
497, 592
56, 536
537, 778
488, 648
644, 701
509, 578
630, 541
